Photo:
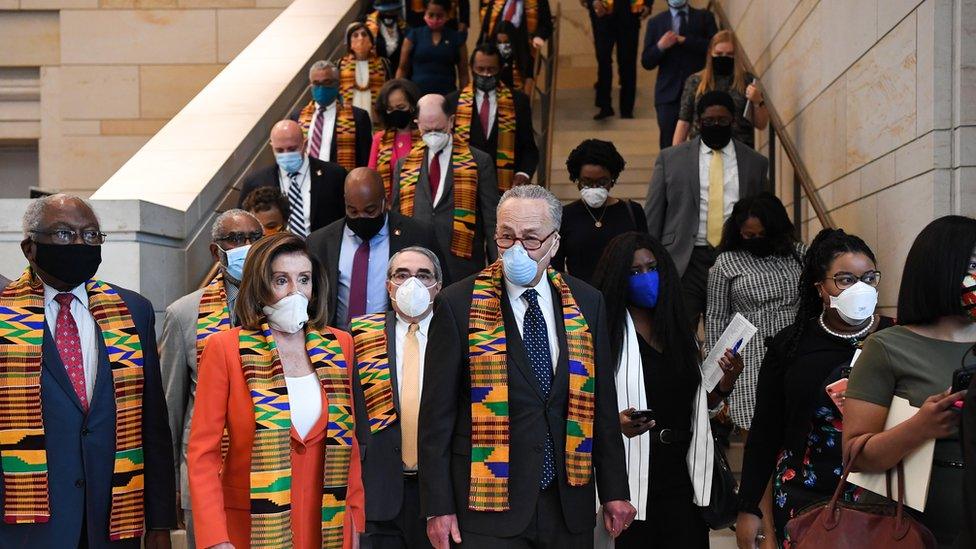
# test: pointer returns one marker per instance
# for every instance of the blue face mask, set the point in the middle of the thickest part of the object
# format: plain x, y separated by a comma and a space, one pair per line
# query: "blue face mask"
290, 162
324, 95
520, 269
643, 289
233, 261
677, 4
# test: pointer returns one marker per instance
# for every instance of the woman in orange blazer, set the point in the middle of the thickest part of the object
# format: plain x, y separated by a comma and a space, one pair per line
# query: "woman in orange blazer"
291, 474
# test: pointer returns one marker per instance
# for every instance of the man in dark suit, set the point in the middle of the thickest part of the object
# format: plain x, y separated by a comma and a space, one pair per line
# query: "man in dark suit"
65, 484
692, 191
494, 470
357, 285
484, 111
435, 200
532, 20
675, 43
394, 343
321, 119
616, 24
313, 187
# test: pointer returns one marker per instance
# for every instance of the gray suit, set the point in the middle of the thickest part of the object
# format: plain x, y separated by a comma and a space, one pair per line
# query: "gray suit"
441, 218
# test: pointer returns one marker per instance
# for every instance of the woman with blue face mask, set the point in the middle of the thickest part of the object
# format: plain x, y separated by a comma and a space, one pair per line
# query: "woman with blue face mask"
663, 409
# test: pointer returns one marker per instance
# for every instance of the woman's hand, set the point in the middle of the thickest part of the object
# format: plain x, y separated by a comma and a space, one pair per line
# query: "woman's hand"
634, 427
747, 528
753, 94
732, 365
937, 418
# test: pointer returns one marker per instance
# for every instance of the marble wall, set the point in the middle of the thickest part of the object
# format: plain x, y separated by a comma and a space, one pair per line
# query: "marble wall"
878, 96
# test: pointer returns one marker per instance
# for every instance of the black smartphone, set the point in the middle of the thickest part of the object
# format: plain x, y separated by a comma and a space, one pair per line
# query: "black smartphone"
961, 379
642, 414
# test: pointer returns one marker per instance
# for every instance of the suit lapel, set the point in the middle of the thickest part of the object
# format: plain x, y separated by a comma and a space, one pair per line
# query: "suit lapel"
390, 327
314, 174
516, 348
51, 361
744, 171
694, 187
395, 232
423, 183
560, 381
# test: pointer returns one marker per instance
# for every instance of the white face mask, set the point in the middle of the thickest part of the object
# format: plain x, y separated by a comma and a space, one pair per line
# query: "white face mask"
594, 197
412, 298
289, 314
436, 140
855, 304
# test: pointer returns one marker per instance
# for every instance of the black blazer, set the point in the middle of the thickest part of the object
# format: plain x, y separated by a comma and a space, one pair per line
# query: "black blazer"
679, 61
445, 419
328, 199
364, 135
325, 244
526, 150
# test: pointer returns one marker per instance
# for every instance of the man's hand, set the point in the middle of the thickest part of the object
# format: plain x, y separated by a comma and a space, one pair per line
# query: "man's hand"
539, 43
442, 530
158, 539
520, 179
669, 39
617, 516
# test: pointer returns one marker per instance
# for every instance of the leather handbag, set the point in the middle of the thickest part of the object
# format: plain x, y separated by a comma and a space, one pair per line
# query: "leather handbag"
847, 525
722, 508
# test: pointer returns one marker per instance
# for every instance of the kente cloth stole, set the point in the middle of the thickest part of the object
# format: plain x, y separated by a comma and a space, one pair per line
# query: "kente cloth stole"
465, 192
373, 361
270, 478
530, 15
384, 158
212, 314
635, 5
344, 135
22, 444
487, 354
347, 76
505, 156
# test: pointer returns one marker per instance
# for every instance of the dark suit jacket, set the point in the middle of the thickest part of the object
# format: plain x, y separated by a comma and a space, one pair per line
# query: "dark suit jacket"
445, 419
673, 198
441, 218
325, 244
543, 29
81, 448
680, 61
364, 135
526, 150
328, 180
967, 538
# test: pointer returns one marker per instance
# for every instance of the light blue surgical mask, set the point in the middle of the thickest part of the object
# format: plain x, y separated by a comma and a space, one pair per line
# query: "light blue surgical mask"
519, 267
291, 161
677, 4
324, 95
233, 262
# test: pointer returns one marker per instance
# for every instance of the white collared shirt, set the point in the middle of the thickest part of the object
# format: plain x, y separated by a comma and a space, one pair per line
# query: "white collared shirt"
402, 326
492, 108
391, 37
520, 306
517, 16
445, 162
328, 129
305, 180
730, 186
87, 329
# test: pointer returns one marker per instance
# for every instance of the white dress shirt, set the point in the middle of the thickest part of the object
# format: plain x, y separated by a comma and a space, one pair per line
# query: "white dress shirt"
304, 402
328, 130
305, 180
445, 162
492, 108
520, 306
87, 329
401, 335
730, 186
517, 16
391, 37
362, 98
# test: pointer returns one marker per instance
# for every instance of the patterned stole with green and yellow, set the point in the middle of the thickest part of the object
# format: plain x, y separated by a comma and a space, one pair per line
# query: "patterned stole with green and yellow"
487, 355
270, 478
212, 313
384, 157
373, 361
22, 447
530, 15
635, 5
465, 172
345, 131
505, 156
347, 76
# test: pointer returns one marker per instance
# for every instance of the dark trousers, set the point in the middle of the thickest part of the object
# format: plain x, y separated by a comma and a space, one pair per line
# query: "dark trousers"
673, 520
546, 530
407, 531
694, 283
667, 119
620, 29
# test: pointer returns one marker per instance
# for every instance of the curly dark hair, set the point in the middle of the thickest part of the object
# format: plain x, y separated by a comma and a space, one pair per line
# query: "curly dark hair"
263, 199
769, 210
595, 151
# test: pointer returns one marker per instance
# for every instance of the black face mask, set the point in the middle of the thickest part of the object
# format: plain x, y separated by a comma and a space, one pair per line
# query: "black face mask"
398, 119
72, 264
366, 227
485, 83
716, 137
723, 66
759, 247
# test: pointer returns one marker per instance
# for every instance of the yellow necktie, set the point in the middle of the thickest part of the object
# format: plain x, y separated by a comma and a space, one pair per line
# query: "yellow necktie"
716, 202
410, 398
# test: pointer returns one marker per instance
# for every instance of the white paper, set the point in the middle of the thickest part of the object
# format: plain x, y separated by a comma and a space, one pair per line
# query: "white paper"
739, 328
917, 464
601, 538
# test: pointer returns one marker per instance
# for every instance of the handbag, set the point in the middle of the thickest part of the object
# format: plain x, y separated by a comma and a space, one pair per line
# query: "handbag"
848, 525
722, 507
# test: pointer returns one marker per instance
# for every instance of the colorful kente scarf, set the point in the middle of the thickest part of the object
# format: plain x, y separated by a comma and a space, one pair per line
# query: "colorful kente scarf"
345, 132
465, 192
270, 478
505, 156
384, 158
487, 354
373, 362
22, 445
212, 314
530, 15
347, 76
635, 5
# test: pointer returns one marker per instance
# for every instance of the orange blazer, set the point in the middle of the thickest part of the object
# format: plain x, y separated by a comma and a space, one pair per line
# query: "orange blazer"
221, 501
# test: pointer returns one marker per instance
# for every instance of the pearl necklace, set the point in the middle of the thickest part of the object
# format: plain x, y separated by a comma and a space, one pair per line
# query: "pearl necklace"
852, 337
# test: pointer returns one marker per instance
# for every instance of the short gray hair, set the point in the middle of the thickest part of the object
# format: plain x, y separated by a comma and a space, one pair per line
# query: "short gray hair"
215, 229
35, 209
320, 65
438, 274
535, 192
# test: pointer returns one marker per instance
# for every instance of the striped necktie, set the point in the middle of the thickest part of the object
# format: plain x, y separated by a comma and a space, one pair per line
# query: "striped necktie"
297, 223
315, 144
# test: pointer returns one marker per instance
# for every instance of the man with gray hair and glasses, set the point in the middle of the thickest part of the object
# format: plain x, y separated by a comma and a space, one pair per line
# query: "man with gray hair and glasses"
334, 131
190, 320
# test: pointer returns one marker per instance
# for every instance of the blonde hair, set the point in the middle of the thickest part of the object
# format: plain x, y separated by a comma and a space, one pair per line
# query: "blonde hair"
707, 82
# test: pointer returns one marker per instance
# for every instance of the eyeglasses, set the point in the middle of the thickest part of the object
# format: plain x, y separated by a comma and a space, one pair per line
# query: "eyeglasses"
531, 244
68, 236
584, 183
239, 239
427, 279
709, 122
846, 280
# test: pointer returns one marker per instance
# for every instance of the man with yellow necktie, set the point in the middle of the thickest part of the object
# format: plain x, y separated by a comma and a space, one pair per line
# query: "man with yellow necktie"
390, 362
692, 191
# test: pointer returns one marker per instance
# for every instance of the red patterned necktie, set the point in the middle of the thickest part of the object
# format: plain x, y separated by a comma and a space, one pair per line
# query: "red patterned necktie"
483, 114
69, 347
434, 176
510, 10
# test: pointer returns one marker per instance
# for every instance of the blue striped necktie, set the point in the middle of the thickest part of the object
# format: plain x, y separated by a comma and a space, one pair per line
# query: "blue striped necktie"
297, 224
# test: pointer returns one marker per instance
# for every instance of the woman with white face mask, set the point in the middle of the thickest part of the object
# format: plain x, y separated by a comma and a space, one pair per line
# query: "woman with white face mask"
596, 218
276, 387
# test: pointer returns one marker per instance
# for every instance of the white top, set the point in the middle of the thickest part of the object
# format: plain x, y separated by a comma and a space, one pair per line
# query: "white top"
305, 180
328, 129
445, 162
730, 188
401, 335
87, 329
492, 107
305, 402
390, 36
519, 306
362, 98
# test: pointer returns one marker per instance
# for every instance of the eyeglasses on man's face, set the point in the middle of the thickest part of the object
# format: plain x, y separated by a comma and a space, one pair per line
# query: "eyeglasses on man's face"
240, 239
531, 243
69, 236
425, 278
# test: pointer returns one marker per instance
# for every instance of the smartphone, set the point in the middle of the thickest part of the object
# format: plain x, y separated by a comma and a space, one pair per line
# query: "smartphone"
642, 414
961, 379
836, 392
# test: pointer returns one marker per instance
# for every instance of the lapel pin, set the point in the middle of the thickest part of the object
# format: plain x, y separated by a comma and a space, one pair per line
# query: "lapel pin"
318, 173
396, 232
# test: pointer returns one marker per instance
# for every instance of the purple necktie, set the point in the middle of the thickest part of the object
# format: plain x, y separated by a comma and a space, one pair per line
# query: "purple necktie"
357, 287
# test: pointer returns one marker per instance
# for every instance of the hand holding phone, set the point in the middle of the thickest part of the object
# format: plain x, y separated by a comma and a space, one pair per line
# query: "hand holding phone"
961, 379
836, 392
